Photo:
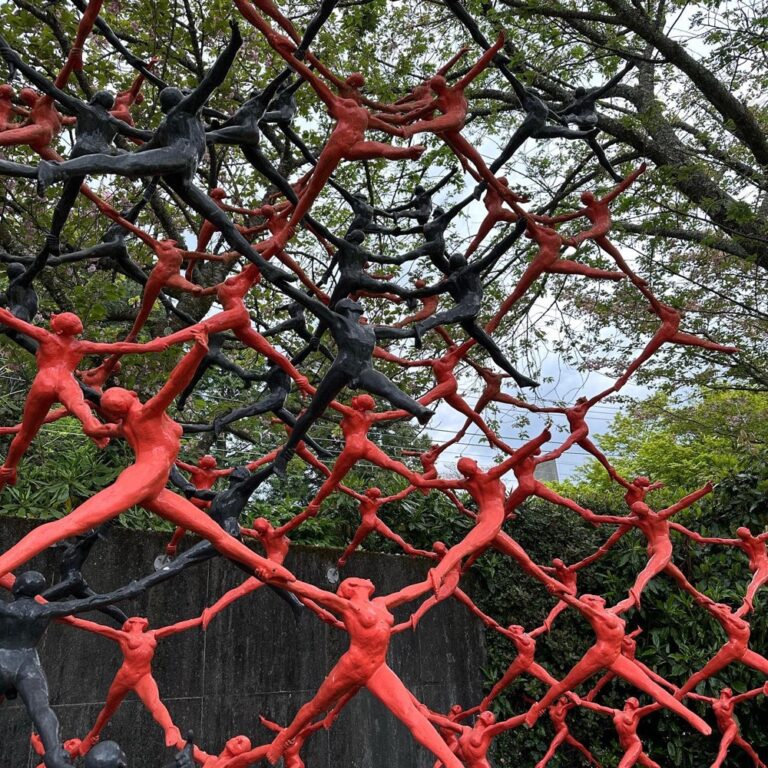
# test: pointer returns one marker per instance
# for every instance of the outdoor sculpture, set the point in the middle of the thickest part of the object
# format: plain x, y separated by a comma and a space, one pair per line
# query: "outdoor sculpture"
172, 155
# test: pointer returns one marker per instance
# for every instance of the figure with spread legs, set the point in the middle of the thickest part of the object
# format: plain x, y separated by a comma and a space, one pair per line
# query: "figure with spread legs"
463, 283
173, 152
369, 624
558, 712
736, 647
419, 207
59, 353
347, 140
626, 721
124, 100
723, 708
138, 644
487, 490
23, 622
581, 112
609, 631
656, 528
355, 343
754, 547
370, 503
154, 438
95, 131
546, 261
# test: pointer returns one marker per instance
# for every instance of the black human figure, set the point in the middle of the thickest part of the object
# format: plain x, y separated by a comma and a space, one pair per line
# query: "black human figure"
351, 367
226, 510
434, 236
282, 111
20, 299
419, 207
297, 323
71, 582
463, 282
174, 152
215, 357
242, 130
352, 259
534, 125
95, 131
23, 622
278, 388
581, 112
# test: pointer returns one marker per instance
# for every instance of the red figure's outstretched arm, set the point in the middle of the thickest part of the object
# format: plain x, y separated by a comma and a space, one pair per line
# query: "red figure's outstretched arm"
628, 181
686, 501
92, 626
180, 376
38, 334
179, 626
521, 453
481, 64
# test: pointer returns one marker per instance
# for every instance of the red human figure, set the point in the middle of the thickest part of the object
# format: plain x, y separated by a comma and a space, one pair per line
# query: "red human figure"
43, 123
547, 260
155, 440
59, 353
452, 104
203, 476
167, 271
138, 644
347, 139
528, 485
523, 663
609, 631
451, 581
629, 649
232, 755
668, 333
625, 721
356, 420
558, 712
723, 708
276, 546
473, 742
754, 547
576, 416
429, 306
488, 491
208, 229
497, 213
567, 576
638, 489
736, 648
655, 527
292, 756
421, 95
599, 214
370, 503
124, 100
236, 318
8, 110
369, 624
447, 386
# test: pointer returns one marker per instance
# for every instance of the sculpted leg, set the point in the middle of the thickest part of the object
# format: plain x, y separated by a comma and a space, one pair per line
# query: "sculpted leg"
514, 670
33, 416
117, 692
146, 689
32, 687
728, 737
378, 384
553, 747
631, 756
632, 673
389, 689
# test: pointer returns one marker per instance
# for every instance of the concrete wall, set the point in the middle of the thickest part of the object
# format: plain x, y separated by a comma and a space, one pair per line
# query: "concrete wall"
254, 659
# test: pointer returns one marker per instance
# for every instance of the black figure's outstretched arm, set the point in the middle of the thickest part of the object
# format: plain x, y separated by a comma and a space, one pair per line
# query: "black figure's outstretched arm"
215, 76
68, 607
591, 96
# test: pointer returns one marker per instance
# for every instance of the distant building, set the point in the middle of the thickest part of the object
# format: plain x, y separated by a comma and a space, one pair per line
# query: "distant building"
547, 472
